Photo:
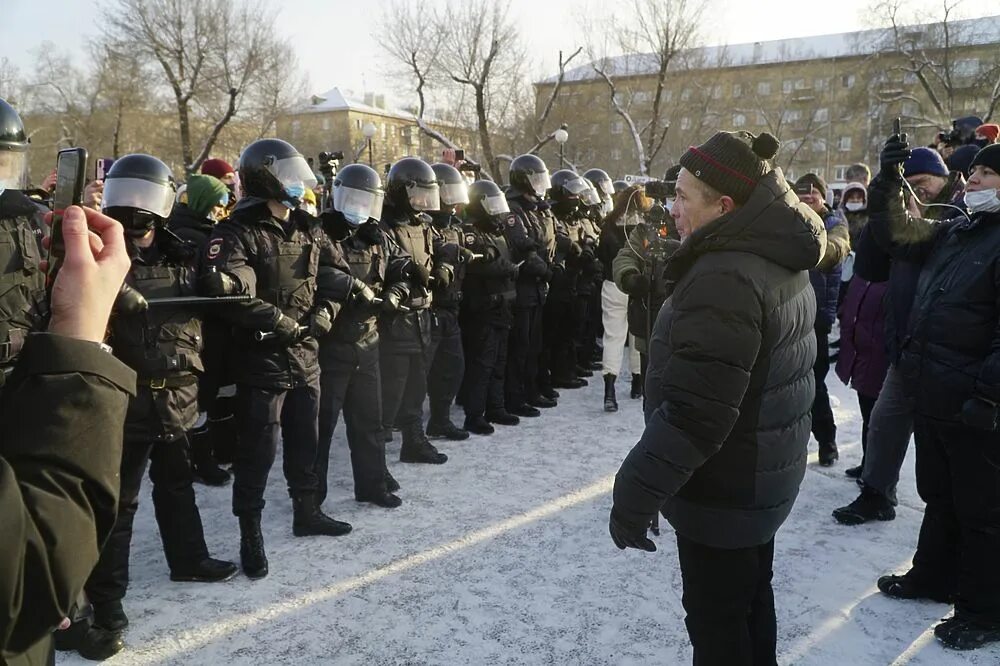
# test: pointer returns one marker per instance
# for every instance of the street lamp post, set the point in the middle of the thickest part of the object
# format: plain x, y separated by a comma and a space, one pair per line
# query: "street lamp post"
561, 136
369, 131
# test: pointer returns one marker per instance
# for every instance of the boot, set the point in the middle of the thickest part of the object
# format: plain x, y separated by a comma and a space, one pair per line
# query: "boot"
583, 372
391, 484
542, 402
637, 386
525, 410
416, 449
828, 454
209, 570
960, 633
854, 472
905, 587
549, 392
252, 556
446, 429
110, 615
502, 417
204, 469
610, 401
478, 425
99, 644
384, 499
569, 383
870, 505
309, 520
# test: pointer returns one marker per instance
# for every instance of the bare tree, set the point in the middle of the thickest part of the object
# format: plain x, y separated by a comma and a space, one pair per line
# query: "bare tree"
653, 34
212, 54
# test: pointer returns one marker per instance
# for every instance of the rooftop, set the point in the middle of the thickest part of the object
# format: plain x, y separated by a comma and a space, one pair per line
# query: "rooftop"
974, 32
337, 99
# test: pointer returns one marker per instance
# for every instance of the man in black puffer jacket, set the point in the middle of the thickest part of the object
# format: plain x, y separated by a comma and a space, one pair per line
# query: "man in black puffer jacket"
729, 392
950, 361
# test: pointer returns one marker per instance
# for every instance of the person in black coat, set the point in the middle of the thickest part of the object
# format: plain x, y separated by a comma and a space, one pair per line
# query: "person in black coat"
729, 393
950, 360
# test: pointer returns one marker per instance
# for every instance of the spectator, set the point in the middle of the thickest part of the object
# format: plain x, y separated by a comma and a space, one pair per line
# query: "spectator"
932, 183
986, 135
961, 160
858, 173
854, 209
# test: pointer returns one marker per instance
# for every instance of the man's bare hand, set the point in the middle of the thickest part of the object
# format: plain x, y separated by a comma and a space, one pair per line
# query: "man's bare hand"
90, 275
93, 194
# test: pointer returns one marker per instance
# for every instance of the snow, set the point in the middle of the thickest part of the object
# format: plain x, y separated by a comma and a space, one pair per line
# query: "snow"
502, 556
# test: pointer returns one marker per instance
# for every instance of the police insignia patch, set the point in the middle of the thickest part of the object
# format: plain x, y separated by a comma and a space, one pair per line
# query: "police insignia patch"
214, 248
511, 221
470, 239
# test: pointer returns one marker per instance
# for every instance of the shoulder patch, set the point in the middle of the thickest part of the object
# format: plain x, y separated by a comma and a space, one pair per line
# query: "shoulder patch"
214, 248
511, 220
470, 239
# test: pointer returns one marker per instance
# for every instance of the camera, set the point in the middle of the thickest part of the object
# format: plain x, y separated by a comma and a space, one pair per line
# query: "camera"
660, 190
329, 162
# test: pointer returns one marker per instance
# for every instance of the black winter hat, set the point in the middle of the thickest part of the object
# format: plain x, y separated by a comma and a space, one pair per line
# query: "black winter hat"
988, 157
814, 180
732, 162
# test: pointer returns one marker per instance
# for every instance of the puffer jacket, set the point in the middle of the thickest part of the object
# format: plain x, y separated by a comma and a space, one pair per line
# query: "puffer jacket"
825, 277
730, 386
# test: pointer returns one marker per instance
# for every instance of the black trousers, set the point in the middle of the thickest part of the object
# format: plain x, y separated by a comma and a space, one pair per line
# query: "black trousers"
562, 320
351, 382
445, 363
585, 334
176, 513
958, 476
483, 386
404, 386
261, 412
523, 350
823, 427
729, 603
867, 404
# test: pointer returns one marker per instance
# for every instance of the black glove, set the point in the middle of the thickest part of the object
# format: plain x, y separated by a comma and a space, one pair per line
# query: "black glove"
466, 255
442, 276
130, 301
980, 414
490, 253
390, 302
507, 268
320, 322
287, 330
895, 152
626, 535
415, 272
635, 284
362, 294
217, 283
534, 266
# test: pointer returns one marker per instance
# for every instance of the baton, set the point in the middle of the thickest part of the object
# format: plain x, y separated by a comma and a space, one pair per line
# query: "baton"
198, 300
264, 336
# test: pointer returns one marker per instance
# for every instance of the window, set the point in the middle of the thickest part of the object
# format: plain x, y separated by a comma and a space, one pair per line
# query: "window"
821, 115
764, 88
685, 123
326, 124
737, 90
966, 67
910, 109
762, 119
357, 123
739, 120
840, 172
801, 84
383, 130
786, 86
296, 126
685, 94
844, 144
641, 97
616, 155
821, 84
716, 92
668, 95
910, 78
847, 80
789, 116
819, 171
617, 127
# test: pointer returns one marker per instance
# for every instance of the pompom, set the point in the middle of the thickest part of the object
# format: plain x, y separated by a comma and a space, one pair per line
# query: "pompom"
765, 146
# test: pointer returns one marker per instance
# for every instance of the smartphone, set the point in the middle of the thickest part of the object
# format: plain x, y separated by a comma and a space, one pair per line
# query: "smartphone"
102, 167
804, 188
459, 155
70, 167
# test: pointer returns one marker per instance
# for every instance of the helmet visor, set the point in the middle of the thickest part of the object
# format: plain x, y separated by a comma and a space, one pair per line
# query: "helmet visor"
607, 187
140, 194
540, 182
293, 171
590, 196
13, 169
576, 186
424, 196
496, 204
357, 206
453, 194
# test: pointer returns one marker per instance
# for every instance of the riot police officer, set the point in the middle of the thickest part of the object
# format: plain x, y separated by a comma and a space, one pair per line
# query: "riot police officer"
349, 355
163, 346
22, 283
405, 326
530, 234
272, 252
605, 189
487, 305
446, 361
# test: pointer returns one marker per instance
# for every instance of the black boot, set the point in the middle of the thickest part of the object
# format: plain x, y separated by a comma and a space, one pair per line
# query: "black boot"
583, 372
391, 484
110, 615
252, 556
382, 498
963, 633
569, 383
906, 587
828, 454
526, 411
610, 401
542, 402
636, 387
99, 644
209, 570
416, 449
204, 469
478, 425
309, 520
548, 392
502, 417
446, 429
870, 505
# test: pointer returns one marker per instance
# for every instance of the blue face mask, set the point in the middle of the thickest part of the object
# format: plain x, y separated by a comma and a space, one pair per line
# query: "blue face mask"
294, 193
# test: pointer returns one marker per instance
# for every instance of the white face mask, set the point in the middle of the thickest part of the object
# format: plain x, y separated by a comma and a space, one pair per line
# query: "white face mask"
854, 206
983, 201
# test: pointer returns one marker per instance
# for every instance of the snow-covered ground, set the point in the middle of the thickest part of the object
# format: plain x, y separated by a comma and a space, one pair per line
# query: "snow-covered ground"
502, 556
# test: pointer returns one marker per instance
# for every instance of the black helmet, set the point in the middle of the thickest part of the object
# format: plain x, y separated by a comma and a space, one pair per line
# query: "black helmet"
412, 186
528, 174
454, 189
619, 186
486, 200
568, 185
138, 192
274, 169
358, 194
13, 149
601, 181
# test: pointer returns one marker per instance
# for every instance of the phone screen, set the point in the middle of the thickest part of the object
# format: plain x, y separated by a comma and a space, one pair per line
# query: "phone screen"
69, 192
803, 189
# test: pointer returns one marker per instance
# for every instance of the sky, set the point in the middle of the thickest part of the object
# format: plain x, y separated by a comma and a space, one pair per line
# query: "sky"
335, 45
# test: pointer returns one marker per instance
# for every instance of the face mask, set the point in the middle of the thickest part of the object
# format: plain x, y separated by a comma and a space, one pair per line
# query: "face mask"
854, 206
354, 217
294, 193
983, 201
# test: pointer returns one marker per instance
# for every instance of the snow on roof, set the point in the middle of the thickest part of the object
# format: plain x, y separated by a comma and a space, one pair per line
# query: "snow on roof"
336, 99
978, 31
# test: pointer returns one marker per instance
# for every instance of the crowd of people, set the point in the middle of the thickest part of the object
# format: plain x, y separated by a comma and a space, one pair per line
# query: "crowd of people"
262, 301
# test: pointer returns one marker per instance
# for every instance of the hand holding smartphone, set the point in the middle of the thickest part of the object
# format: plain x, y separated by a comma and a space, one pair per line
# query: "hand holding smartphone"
70, 167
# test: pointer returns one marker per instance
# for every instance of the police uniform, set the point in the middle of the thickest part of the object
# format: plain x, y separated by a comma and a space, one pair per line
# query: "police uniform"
23, 304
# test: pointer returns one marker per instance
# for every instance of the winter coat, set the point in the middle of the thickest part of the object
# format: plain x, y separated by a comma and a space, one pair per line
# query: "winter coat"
856, 220
863, 362
825, 277
62, 411
951, 350
730, 385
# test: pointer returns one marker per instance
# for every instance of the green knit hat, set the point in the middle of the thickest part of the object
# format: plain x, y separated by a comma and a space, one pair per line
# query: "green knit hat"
204, 193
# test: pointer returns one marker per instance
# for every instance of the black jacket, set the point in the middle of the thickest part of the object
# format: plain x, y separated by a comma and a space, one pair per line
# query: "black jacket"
531, 236
62, 412
22, 283
489, 283
951, 350
730, 383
